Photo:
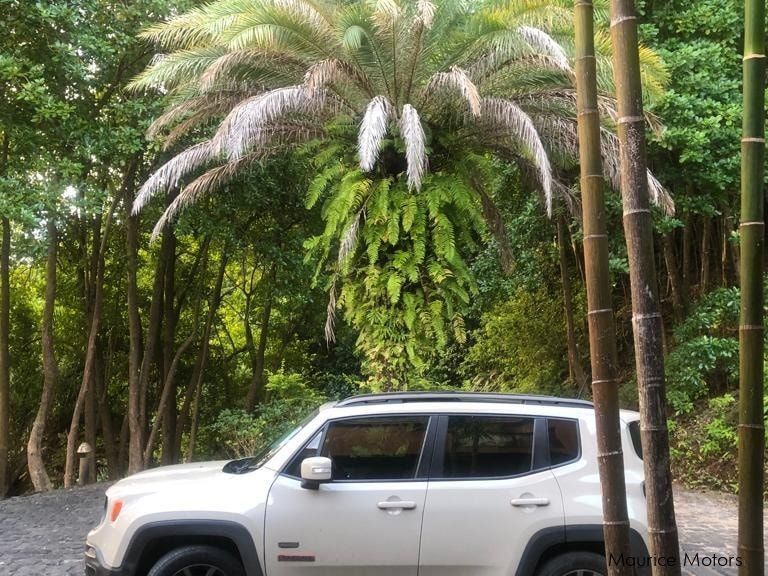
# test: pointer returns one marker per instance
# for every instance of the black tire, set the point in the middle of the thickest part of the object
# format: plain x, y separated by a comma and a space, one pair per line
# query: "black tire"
198, 561
574, 564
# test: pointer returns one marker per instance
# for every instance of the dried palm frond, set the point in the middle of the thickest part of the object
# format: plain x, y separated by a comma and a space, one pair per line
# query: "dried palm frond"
373, 128
458, 80
348, 242
330, 313
425, 13
170, 174
415, 148
505, 113
543, 42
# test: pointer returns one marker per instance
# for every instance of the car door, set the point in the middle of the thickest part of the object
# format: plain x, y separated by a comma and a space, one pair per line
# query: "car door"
491, 489
367, 520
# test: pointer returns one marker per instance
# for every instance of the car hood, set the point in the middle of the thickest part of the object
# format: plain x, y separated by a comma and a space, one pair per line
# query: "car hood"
169, 477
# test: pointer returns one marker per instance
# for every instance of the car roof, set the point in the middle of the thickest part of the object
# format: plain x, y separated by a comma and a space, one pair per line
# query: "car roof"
467, 402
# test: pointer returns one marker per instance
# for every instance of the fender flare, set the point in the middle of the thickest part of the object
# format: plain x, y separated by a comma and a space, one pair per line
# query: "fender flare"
153, 531
545, 539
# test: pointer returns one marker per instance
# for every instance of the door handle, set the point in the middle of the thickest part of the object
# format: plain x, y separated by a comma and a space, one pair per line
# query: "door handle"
530, 502
396, 505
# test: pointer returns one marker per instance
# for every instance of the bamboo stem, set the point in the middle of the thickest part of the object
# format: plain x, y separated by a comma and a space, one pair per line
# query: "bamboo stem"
602, 343
646, 311
751, 430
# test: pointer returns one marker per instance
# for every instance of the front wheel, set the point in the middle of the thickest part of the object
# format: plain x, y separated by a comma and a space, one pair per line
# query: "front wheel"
574, 564
197, 561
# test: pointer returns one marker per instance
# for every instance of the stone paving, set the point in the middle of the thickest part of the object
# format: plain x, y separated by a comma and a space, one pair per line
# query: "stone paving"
44, 534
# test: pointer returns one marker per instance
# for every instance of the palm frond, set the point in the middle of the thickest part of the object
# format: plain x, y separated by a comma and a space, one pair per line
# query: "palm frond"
543, 42
455, 79
413, 135
425, 13
373, 128
520, 127
170, 174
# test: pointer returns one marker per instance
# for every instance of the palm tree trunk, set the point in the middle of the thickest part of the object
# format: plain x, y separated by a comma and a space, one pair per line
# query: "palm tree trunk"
602, 342
37, 472
646, 312
751, 429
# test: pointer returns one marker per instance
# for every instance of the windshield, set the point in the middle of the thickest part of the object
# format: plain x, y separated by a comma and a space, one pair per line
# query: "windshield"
256, 461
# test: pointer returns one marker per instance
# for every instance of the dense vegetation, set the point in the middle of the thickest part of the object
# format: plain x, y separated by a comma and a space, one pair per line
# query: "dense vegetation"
224, 324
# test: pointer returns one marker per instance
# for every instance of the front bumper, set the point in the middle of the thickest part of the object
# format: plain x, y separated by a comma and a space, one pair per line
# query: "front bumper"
95, 567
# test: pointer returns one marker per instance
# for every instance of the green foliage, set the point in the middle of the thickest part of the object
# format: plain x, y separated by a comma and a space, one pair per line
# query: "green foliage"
706, 353
240, 434
520, 345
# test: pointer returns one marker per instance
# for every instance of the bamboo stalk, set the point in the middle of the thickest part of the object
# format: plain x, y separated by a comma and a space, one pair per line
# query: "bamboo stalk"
646, 312
602, 343
751, 430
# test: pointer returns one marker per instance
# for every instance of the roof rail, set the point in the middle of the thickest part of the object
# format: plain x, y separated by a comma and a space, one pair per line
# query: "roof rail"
407, 397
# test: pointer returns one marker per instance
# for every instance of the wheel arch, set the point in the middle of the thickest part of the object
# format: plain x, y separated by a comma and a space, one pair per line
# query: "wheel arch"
550, 542
153, 540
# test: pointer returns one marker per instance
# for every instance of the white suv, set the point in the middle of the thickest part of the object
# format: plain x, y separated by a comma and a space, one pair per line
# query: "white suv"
427, 484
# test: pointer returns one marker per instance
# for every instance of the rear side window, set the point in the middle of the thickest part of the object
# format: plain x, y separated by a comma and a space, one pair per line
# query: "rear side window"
563, 441
634, 432
488, 447
375, 448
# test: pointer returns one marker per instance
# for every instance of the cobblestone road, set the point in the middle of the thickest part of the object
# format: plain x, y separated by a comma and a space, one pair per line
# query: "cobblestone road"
43, 534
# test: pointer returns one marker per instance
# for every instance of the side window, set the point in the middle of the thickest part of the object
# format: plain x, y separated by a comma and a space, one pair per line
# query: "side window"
563, 441
309, 450
375, 448
634, 432
488, 447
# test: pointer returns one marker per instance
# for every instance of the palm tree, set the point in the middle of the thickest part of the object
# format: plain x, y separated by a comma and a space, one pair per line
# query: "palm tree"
403, 106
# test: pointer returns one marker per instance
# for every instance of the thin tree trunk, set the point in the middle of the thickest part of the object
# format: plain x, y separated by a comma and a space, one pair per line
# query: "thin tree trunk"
102, 376
5, 366
687, 254
256, 389
135, 365
706, 254
37, 472
165, 397
602, 342
751, 428
169, 333
574, 364
202, 356
646, 312
69, 465
675, 280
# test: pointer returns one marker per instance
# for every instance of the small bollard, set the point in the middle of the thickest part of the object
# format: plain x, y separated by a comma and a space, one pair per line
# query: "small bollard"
85, 453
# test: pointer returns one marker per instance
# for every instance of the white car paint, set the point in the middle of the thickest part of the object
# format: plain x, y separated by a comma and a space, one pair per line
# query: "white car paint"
453, 528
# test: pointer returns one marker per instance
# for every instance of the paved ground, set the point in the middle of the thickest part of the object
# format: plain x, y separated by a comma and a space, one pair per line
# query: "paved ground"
43, 534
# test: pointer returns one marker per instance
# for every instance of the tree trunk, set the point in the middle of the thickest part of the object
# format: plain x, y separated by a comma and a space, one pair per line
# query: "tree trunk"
90, 353
101, 382
5, 366
37, 472
574, 363
602, 340
751, 428
169, 333
646, 312
165, 397
687, 254
256, 389
135, 365
202, 356
706, 254
675, 280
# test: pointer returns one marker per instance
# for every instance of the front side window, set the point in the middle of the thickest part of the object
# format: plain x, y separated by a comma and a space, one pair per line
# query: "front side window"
375, 448
488, 447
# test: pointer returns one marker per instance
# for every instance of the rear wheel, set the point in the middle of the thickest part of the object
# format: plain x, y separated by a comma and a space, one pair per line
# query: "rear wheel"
197, 561
575, 564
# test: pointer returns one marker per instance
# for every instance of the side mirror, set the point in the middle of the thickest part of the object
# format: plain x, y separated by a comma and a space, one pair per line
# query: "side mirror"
315, 471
